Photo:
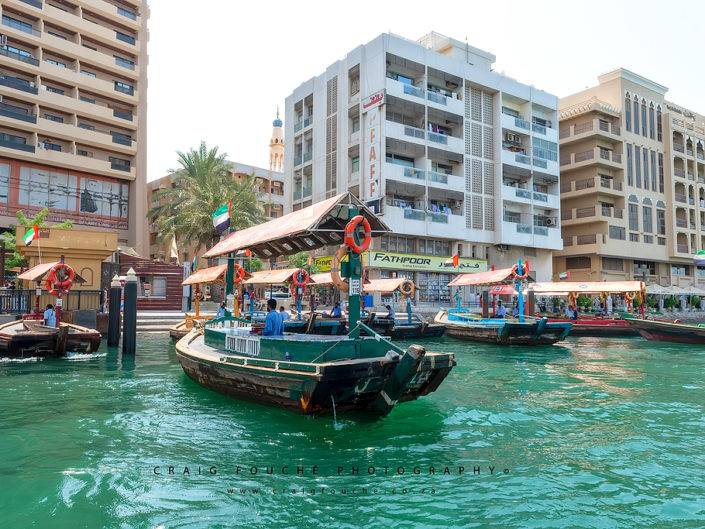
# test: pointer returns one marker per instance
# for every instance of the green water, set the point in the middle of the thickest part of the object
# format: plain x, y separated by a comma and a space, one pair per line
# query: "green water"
592, 433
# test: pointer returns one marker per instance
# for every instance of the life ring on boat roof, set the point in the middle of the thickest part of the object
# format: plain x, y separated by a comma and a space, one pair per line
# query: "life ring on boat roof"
335, 269
629, 296
407, 288
198, 294
525, 268
350, 234
239, 274
572, 299
60, 279
603, 296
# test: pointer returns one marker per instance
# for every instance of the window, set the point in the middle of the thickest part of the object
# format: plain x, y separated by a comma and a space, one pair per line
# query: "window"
633, 237
659, 132
18, 51
630, 178
643, 118
17, 24
633, 217
628, 114
51, 146
57, 35
612, 263
651, 121
647, 220
646, 168
577, 263
355, 124
125, 38
126, 13
89, 74
637, 165
124, 88
660, 172
355, 164
662, 241
648, 267
399, 160
680, 270
617, 232
661, 222
56, 63
547, 150
86, 126
55, 90
89, 47
52, 117
87, 99
125, 63
88, 154
648, 239
636, 117
653, 171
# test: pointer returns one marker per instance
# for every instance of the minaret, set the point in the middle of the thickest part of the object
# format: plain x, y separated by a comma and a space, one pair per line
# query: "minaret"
276, 146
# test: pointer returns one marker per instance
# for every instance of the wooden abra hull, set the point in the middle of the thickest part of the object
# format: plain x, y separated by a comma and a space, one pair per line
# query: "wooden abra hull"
309, 389
663, 331
598, 328
418, 330
539, 332
15, 341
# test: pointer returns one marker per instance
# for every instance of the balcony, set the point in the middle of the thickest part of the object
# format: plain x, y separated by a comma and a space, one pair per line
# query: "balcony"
522, 159
298, 160
680, 198
541, 230
598, 155
35, 3
308, 156
122, 115
540, 197
523, 228
18, 84
594, 127
679, 172
682, 248
19, 57
681, 223
678, 147
15, 142
120, 166
441, 178
297, 193
14, 112
438, 217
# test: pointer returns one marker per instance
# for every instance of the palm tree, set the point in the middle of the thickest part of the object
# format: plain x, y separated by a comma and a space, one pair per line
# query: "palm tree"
201, 186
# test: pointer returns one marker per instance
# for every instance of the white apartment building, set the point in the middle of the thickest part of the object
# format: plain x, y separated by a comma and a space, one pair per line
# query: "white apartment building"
455, 157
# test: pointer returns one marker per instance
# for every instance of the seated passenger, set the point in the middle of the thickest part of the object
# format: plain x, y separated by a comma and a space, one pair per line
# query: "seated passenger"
273, 323
335, 311
501, 312
284, 314
391, 314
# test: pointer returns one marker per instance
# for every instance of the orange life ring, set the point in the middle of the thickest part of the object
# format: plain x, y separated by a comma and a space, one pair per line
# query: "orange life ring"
629, 296
407, 288
515, 270
572, 299
198, 295
603, 296
335, 269
297, 278
56, 286
350, 234
293, 288
239, 274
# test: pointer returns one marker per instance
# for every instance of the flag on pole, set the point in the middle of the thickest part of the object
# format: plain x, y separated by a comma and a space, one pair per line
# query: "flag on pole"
221, 218
456, 260
31, 235
195, 261
310, 260
564, 275
248, 252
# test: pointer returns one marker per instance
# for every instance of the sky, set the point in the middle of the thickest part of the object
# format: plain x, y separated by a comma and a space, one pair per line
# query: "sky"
218, 69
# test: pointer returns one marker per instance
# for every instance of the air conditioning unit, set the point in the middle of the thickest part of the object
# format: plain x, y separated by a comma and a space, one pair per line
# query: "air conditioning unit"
3, 40
40, 145
550, 222
502, 247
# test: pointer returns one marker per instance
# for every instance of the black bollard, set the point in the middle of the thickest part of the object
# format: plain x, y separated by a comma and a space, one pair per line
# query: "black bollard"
114, 313
129, 318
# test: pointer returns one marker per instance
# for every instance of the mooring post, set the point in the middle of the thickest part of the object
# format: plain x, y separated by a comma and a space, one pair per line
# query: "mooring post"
129, 321
114, 312
57, 310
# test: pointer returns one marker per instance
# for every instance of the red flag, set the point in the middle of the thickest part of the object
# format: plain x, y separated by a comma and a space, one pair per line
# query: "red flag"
230, 206
248, 252
310, 260
456, 260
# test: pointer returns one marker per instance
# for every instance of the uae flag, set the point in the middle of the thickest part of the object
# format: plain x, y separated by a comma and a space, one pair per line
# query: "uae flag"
564, 275
31, 235
221, 218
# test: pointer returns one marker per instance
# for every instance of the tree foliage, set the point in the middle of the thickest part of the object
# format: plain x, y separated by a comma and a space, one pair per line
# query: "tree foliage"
200, 186
10, 237
299, 260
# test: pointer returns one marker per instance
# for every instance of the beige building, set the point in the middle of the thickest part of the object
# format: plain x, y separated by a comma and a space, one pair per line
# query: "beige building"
73, 113
269, 183
632, 184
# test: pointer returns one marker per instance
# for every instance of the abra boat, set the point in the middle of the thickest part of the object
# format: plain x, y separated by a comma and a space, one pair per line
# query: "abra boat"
524, 330
35, 339
311, 374
598, 326
669, 331
401, 327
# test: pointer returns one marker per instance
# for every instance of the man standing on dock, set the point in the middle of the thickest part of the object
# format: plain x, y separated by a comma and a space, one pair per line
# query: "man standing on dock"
273, 323
50, 316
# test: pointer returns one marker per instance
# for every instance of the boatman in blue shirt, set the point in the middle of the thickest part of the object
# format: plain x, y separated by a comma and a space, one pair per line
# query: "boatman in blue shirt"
50, 316
335, 311
501, 312
273, 323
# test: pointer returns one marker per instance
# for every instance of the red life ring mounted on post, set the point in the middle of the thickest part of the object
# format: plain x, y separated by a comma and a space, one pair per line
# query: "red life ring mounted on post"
525, 268
407, 288
239, 274
350, 234
60, 279
198, 294
297, 281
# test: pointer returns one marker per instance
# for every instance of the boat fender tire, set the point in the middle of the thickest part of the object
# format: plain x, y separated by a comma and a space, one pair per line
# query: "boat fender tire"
350, 234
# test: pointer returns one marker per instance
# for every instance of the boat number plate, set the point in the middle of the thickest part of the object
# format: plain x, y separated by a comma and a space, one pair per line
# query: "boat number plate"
355, 285
58, 302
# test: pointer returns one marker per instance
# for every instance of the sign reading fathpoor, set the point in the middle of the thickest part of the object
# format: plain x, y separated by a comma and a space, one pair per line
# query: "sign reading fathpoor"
412, 262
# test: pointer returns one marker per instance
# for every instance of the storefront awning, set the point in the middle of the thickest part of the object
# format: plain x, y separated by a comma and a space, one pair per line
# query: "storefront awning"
384, 285
36, 273
491, 277
207, 275
322, 279
271, 277
586, 287
318, 225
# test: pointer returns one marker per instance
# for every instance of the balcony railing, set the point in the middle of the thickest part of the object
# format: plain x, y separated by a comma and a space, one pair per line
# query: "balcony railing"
18, 84
297, 193
679, 197
414, 132
568, 241
520, 158
590, 238
122, 115
414, 214
681, 223
522, 193
582, 213
298, 126
538, 128
15, 142
512, 217
580, 128
21, 27
125, 38
438, 217
19, 56
11, 111
413, 90
120, 167
438, 138
540, 163
540, 230
297, 160
584, 155
678, 147
682, 248
679, 172
437, 98
522, 123
307, 192
523, 228
413, 172
35, 3
308, 121
584, 184
541, 197
437, 177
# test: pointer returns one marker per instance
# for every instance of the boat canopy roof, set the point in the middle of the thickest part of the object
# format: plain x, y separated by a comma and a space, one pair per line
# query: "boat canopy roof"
318, 225
586, 287
384, 285
503, 290
322, 279
207, 275
491, 277
271, 277
36, 273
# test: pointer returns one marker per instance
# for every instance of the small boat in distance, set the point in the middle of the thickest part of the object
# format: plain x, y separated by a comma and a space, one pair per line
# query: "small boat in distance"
18, 340
668, 331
